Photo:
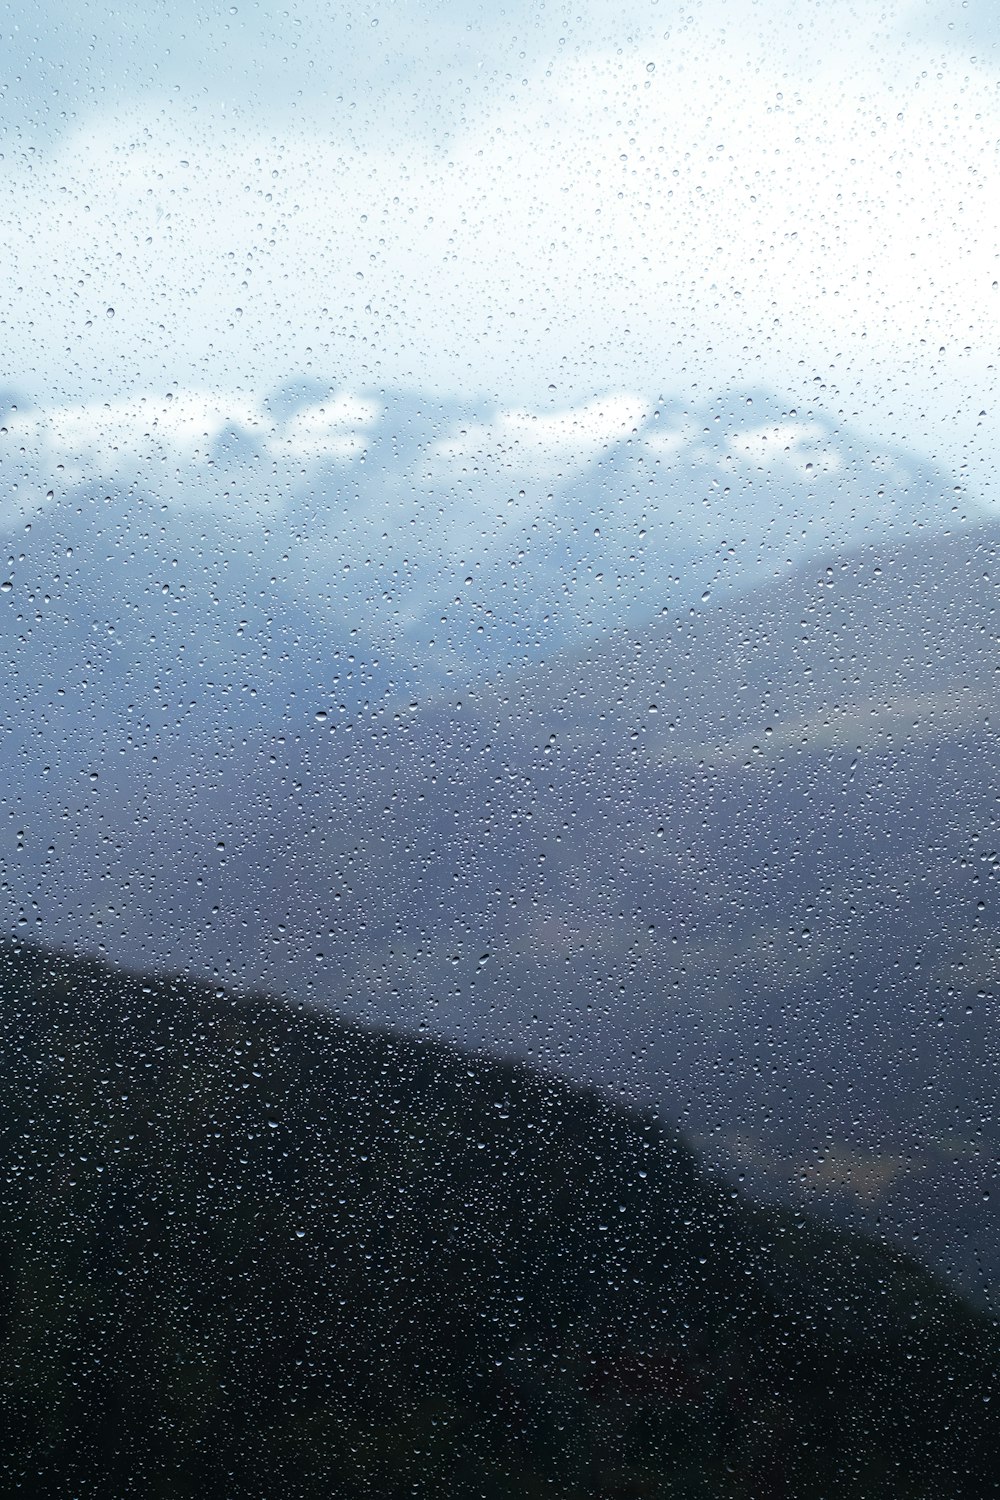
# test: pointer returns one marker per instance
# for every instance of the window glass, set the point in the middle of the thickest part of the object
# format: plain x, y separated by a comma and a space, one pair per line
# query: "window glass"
498, 785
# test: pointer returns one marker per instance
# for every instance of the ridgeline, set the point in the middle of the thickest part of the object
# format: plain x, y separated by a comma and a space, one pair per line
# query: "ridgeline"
249, 1249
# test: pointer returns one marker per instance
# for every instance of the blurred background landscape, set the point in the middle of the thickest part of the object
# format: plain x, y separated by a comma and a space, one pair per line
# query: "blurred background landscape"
656, 792
498, 554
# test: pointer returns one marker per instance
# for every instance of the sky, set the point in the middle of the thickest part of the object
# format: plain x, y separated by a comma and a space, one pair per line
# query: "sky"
526, 209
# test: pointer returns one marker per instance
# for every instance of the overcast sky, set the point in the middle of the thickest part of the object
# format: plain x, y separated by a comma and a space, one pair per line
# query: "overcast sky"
528, 204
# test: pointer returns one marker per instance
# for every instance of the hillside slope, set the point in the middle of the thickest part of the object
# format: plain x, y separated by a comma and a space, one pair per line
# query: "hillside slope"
246, 1249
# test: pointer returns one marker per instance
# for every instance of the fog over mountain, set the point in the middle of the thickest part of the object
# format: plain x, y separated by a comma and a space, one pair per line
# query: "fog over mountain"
212, 558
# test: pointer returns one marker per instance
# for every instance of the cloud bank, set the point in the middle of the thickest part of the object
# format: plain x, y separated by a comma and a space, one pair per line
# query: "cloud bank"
521, 204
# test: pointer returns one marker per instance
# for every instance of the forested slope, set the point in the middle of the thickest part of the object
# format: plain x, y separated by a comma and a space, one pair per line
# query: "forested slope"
247, 1249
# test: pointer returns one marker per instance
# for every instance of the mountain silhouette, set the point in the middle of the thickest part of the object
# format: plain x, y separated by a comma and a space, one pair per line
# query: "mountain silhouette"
247, 1248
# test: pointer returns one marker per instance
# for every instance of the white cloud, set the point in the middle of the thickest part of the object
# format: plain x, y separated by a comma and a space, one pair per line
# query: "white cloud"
543, 444
336, 430
180, 447
795, 446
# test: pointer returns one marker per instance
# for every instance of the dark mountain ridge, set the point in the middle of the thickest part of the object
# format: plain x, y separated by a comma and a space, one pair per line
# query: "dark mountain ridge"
249, 1249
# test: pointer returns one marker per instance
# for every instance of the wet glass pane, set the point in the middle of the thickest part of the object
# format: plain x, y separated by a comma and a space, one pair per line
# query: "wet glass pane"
499, 849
